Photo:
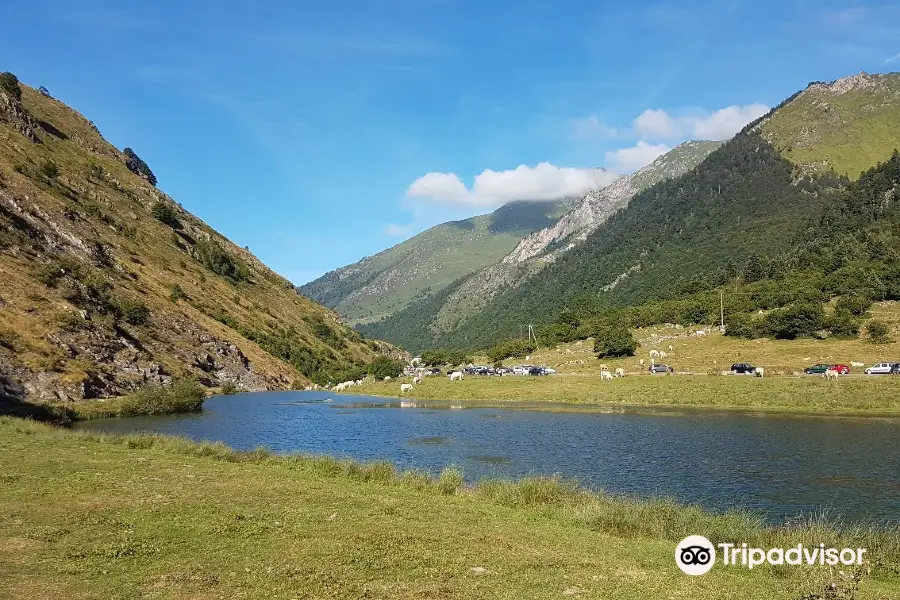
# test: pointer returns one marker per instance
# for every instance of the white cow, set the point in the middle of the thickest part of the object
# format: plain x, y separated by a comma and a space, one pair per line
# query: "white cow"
642, 362
654, 354
456, 375
387, 378
663, 354
417, 379
700, 333
605, 375
759, 372
405, 387
620, 372
830, 374
671, 348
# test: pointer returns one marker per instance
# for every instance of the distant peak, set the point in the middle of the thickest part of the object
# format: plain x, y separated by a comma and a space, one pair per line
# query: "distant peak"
843, 85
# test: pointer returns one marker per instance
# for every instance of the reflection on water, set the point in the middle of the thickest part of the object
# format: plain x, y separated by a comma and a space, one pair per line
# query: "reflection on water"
780, 465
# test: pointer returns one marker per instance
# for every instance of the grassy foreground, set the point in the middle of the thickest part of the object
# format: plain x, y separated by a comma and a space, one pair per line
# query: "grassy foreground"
141, 516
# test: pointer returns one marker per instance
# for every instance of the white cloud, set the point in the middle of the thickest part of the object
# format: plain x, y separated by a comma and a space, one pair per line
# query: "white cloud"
640, 155
720, 125
442, 188
654, 123
494, 188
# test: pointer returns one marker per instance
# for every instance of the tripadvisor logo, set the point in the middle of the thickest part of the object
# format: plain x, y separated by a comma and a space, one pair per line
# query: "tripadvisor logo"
696, 555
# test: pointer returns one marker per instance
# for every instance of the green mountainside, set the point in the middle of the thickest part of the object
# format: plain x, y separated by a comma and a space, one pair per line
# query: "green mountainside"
378, 286
845, 126
465, 298
745, 206
106, 284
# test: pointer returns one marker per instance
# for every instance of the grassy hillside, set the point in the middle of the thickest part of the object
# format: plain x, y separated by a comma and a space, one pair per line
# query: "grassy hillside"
203, 521
845, 126
109, 285
378, 286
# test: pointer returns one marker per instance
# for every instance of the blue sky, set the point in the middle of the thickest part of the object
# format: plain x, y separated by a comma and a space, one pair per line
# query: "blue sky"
318, 132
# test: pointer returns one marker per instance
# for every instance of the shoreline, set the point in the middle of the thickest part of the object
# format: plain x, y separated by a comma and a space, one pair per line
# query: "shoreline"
658, 409
786, 396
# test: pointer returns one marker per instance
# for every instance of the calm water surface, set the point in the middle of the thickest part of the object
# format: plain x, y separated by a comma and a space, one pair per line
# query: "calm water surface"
781, 466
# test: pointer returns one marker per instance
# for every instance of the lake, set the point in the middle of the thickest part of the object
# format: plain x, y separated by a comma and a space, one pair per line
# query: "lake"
781, 466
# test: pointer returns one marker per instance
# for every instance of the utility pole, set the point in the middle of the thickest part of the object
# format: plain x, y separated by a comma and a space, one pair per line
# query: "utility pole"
722, 311
531, 334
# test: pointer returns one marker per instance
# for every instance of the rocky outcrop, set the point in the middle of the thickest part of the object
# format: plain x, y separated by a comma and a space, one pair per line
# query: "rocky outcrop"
12, 111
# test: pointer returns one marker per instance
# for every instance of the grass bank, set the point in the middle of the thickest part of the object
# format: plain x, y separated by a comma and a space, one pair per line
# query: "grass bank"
181, 396
96, 516
877, 395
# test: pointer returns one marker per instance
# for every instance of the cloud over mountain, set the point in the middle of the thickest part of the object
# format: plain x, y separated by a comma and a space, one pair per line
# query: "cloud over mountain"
657, 124
494, 188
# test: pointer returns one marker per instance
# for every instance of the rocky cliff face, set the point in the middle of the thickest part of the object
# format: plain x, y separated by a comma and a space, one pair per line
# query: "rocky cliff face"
109, 285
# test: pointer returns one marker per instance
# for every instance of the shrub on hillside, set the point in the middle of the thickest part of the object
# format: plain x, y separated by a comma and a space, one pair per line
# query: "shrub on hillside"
855, 304
176, 293
229, 387
559, 333
48, 170
612, 341
798, 320
164, 213
133, 312
384, 366
437, 358
10, 84
213, 257
878, 332
511, 349
182, 395
842, 323
434, 358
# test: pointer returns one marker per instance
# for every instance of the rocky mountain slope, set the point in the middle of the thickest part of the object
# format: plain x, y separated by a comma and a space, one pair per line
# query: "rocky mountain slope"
108, 284
542, 247
753, 200
378, 286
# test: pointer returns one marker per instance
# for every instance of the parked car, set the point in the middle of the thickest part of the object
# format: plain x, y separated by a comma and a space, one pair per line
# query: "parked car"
549, 371
520, 370
660, 368
895, 370
882, 368
744, 369
537, 371
816, 369
841, 369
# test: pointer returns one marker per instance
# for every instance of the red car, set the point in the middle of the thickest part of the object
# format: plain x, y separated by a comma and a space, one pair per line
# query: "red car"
841, 369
